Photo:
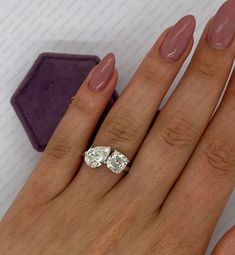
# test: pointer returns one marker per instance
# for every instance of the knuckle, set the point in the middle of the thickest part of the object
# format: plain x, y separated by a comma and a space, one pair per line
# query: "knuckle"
120, 130
206, 69
161, 244
115, 227
149, 73
177, 132
58, 149
83, 105
220, 156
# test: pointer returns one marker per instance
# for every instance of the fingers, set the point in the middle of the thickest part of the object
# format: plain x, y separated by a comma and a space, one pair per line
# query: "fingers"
226, 245
128, 121
181, 123
201, 193
62, 157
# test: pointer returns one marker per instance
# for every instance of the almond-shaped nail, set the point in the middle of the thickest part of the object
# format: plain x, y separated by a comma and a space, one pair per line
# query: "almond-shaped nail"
178, 39
222, 28
102, 73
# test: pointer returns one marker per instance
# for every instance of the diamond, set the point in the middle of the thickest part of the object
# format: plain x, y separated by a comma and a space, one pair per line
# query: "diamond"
116, 162
96, 156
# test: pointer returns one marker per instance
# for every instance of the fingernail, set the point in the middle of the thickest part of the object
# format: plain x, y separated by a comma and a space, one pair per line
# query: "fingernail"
102, 73
178, 38
222, 29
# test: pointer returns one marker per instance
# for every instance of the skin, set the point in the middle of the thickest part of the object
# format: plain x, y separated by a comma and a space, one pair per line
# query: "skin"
182, 173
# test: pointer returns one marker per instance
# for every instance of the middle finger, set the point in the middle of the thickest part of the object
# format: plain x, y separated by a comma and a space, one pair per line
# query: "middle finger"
129, 119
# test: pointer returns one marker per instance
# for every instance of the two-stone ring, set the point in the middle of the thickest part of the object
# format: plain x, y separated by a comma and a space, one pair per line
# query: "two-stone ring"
103, 155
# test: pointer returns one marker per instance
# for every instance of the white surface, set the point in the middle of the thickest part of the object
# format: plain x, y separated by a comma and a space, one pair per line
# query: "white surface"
28, 27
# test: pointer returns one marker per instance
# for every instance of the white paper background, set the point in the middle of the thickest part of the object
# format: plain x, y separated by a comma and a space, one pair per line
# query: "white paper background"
128, 28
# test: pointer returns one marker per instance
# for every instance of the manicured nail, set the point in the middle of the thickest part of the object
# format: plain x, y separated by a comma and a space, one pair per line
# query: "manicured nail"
102, 73
222, 29
178, 39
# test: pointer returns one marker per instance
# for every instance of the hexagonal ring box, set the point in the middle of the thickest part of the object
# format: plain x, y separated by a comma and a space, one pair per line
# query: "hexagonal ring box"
46, 91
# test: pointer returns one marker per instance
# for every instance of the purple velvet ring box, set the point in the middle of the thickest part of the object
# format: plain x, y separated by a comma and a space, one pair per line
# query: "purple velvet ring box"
46, 91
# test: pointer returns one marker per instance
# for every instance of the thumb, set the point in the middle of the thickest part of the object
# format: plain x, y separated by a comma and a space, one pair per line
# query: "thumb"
226, 245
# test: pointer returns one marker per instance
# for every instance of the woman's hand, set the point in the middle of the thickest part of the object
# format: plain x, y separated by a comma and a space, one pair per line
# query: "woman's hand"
183, 162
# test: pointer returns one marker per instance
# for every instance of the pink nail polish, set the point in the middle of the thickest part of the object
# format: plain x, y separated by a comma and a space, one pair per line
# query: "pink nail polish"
222, 29
102, 73
178, 38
